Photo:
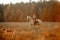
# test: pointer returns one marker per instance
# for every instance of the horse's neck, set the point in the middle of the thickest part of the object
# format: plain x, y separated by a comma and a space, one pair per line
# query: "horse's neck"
30, 19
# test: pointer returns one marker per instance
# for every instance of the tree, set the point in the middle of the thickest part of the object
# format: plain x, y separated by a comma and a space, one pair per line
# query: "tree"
1, 12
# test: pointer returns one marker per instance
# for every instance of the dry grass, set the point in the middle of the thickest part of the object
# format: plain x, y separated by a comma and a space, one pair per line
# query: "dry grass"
25, 31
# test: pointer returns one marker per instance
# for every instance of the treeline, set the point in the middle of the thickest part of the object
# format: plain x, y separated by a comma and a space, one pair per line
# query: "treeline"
46, 11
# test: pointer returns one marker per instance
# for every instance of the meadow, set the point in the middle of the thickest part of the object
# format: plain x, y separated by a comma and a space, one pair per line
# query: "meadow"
25, 31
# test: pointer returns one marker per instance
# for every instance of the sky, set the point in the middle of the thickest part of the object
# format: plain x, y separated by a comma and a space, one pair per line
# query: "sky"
15, 1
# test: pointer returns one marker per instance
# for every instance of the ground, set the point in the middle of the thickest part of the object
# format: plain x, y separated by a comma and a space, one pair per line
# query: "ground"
25, 31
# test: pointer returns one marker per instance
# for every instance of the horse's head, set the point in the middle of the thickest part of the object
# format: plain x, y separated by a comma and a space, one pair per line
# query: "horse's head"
28, 18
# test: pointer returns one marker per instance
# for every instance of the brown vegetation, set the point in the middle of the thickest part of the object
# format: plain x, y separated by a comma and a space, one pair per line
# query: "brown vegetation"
47, 31
46, 11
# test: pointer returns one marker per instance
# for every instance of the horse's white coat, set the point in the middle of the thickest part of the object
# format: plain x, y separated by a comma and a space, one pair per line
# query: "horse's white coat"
31, 20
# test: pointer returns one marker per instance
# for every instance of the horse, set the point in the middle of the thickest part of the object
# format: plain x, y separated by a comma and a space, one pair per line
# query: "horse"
34, 21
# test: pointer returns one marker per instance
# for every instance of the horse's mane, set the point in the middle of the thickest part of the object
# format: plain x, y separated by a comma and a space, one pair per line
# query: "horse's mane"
28, 17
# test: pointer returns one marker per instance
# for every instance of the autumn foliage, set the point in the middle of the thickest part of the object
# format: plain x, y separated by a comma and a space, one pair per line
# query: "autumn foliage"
48, 11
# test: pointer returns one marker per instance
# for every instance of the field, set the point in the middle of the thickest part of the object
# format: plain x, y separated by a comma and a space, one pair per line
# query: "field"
25, 31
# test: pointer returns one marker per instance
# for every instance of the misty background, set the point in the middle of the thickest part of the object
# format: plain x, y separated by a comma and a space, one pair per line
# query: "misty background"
47, 11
